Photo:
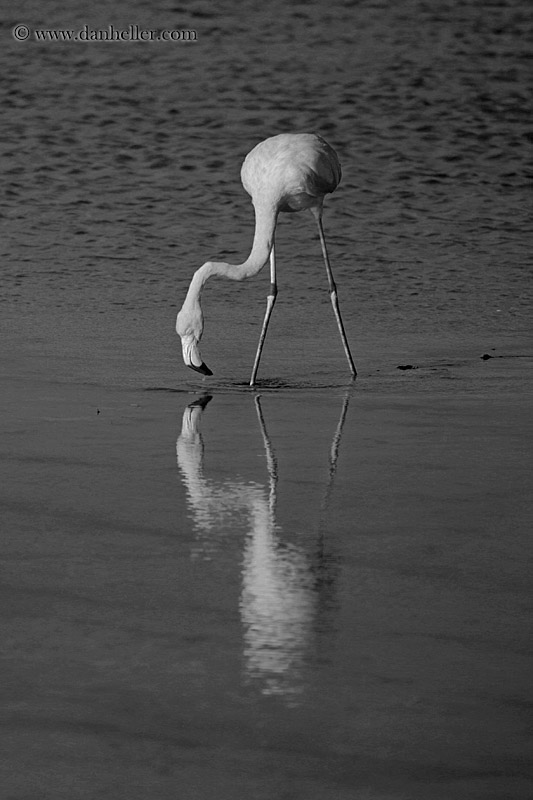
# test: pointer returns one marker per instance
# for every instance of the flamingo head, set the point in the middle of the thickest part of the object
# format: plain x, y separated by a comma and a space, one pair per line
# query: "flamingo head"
190, 326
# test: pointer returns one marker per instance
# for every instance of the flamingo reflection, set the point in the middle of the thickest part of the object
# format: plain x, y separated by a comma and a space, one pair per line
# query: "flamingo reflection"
281, 582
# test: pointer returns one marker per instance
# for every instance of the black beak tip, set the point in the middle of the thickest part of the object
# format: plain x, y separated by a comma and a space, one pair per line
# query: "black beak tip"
203, 368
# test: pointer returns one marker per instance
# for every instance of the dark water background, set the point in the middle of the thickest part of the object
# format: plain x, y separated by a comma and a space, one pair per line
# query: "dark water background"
121, 169
247, 621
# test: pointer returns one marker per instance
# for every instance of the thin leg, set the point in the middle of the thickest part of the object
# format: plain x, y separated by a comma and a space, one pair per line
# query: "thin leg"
271, 299
317, 213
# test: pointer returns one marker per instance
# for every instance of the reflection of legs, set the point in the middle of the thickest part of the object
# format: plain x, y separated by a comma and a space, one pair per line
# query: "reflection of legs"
271, 299
272, 464
334, 451
335, 444
317, 213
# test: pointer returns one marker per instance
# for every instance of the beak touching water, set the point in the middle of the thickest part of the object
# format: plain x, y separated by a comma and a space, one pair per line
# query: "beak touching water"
192, 357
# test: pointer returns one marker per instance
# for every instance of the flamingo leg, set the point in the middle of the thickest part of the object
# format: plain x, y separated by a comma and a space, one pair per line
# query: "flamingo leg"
317, 213
271, 299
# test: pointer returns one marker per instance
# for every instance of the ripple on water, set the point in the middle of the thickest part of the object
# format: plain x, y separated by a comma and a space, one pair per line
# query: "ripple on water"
121, 180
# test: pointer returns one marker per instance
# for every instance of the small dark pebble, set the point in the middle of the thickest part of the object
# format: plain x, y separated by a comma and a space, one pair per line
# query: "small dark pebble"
485, 357
405, 366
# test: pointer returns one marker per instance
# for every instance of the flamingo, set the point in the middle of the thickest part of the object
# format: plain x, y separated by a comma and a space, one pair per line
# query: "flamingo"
287, 172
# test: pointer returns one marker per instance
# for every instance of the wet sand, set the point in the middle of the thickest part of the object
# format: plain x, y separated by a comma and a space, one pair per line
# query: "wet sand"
296, 592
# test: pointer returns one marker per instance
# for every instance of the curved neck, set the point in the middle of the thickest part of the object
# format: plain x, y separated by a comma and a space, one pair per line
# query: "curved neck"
266, 215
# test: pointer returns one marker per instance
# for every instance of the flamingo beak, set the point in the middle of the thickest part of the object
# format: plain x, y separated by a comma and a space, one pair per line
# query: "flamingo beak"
203, 368
192, 357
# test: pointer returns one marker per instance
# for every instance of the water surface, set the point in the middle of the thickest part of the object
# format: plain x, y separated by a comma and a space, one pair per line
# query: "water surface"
318, 589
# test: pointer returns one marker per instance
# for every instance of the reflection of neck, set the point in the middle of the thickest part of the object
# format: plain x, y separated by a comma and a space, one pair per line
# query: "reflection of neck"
265, 224
210, 500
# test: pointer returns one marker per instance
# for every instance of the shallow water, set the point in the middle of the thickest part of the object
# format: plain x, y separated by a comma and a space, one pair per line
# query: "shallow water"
318, 594
317, 589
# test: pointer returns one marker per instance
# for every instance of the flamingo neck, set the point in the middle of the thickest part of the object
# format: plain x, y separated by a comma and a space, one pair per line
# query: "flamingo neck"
266, 217
265, 224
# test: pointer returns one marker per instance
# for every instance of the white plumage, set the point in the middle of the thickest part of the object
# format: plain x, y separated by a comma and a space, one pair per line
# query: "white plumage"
288, 172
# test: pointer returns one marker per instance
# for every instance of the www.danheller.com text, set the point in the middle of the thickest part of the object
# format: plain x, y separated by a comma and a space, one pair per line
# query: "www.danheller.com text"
132, 33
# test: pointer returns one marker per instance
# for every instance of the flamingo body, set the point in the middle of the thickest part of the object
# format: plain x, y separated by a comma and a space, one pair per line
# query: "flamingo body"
295, 169
284, 173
